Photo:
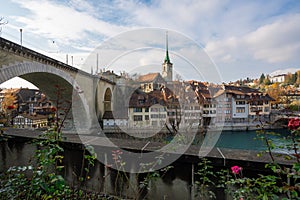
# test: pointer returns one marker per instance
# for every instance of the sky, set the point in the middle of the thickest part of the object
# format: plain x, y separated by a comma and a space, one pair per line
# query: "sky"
241, 38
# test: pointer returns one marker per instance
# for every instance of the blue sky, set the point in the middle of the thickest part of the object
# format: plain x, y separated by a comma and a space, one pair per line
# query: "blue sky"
243, 38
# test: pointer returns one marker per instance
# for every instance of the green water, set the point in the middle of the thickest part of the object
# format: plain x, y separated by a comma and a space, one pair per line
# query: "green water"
246, 140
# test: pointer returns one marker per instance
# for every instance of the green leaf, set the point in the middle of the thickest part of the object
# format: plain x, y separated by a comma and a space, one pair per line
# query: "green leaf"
265, 197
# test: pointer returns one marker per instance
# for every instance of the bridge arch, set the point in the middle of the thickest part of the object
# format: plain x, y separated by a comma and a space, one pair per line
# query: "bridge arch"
41, 75
104, 97
281, 121
49, 80
44, 72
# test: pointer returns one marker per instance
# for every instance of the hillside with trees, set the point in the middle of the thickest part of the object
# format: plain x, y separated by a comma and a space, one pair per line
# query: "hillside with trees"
285, 93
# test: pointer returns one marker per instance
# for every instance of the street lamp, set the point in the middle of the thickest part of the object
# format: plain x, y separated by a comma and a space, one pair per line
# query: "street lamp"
21, 30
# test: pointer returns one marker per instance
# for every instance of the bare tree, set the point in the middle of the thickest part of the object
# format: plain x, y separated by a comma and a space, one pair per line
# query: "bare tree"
2, 22
3, 56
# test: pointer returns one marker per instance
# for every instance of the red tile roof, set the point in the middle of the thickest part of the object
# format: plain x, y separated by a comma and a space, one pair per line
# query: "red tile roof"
34, 117
205, 94
145, 100
148, 77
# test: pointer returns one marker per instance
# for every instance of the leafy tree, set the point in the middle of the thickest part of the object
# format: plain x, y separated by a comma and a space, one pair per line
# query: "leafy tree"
294, 78
290, 79
262, 78
267, 81
256, 81
8, 105
298, 77
275, 92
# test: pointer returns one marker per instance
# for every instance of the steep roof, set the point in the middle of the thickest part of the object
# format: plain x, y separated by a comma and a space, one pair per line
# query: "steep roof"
197, 84
167, 58
261, 96
33, 117
250, 93
148, 77
205, 94
240, 89
218, 93
146, 100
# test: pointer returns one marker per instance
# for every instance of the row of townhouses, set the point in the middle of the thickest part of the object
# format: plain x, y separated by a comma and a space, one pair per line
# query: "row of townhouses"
158, 101
25, 108
192, 104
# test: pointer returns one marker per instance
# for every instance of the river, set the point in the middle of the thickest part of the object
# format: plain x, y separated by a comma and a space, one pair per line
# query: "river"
248, 140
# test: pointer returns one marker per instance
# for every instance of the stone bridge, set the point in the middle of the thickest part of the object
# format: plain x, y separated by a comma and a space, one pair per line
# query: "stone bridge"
90, 95
281, 119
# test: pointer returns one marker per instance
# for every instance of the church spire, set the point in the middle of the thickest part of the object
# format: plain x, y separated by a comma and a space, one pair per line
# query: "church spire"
167, 58
167, 66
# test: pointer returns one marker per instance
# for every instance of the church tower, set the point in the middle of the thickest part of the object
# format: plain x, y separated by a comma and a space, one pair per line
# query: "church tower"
167, 66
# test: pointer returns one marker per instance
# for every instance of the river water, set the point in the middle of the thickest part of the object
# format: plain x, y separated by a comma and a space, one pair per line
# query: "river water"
249, 140
244, 140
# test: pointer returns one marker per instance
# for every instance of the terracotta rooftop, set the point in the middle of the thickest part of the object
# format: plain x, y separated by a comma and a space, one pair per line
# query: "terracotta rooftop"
148, 77
261, 96
145, 100
250, 93
240, 89
198, 84
34, 117
204, 93
218, 93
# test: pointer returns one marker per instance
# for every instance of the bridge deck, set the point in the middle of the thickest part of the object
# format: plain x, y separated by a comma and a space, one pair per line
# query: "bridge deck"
25, 52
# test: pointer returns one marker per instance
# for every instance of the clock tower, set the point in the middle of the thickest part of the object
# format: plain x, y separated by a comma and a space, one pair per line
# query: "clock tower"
167, 66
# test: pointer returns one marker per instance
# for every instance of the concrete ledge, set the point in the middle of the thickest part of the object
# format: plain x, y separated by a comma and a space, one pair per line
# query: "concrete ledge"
219, 156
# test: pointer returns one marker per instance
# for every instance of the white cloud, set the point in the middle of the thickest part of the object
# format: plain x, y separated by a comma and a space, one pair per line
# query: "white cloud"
63, 23
221, 48
236, 34
276, 42
189, 16
273, 43
82, 5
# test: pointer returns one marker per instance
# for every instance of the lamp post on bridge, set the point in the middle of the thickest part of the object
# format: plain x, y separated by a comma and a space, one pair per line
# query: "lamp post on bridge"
21, 31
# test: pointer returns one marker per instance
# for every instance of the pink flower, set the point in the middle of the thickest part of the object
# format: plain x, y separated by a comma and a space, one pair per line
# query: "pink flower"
236, 169
294, 124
